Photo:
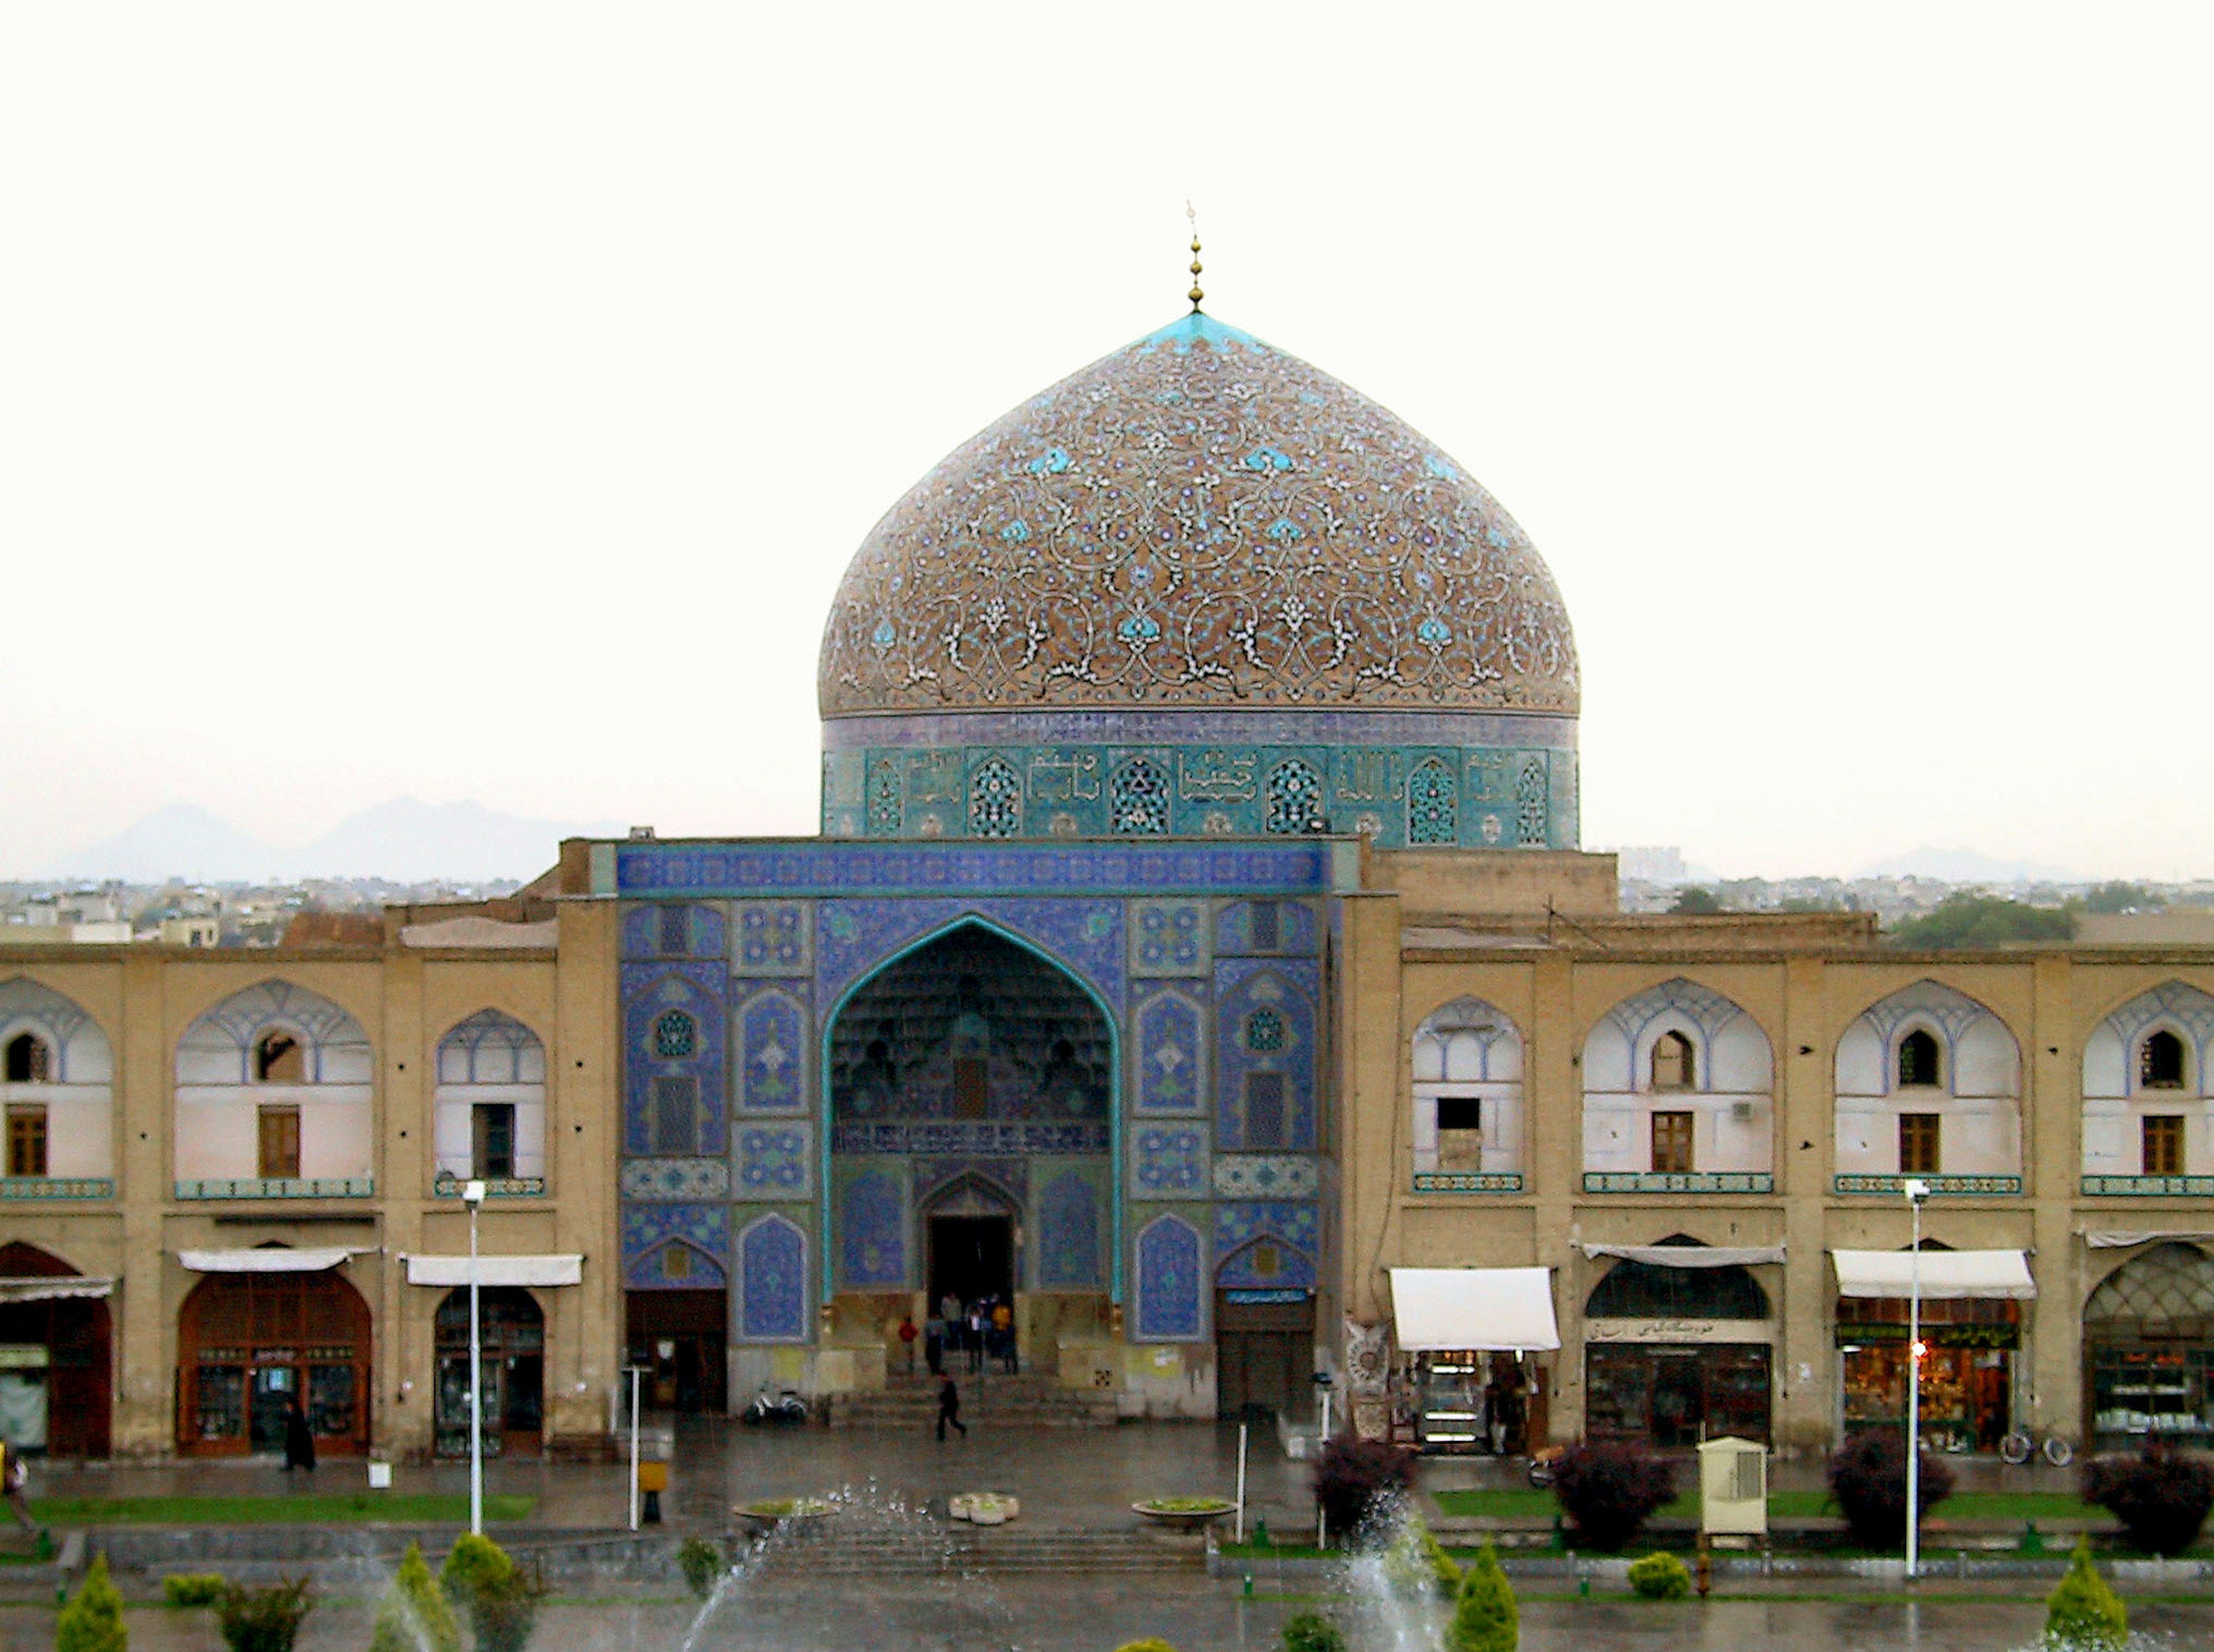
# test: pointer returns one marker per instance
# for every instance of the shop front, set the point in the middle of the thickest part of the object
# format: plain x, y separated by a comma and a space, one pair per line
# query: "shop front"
266, 1329
1467, 1381
2148, 1350
1970, 1323
511, 1339
55, 1341
1678, 1341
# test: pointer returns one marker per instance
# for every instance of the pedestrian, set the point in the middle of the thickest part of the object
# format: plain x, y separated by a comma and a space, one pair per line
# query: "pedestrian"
949, 1410
907, 1336
12, 1478
976, 1339
933, 1344
299, 1438
1003, 1332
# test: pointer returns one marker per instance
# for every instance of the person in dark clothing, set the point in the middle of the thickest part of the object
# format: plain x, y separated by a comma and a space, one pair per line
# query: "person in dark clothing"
299, 1438
933, 1344
949, 1410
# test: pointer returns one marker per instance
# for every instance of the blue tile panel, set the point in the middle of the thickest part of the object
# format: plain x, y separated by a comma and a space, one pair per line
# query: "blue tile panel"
1171, 1278
811, 867
772, 1304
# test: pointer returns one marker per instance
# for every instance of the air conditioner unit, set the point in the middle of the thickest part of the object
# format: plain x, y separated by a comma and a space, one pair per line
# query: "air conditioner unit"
1741, 1112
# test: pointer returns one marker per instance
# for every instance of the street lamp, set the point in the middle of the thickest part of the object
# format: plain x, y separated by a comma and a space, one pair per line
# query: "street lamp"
1915, 1192
473, 1195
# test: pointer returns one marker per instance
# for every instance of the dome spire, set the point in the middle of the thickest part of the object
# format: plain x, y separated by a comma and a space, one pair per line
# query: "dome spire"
1196, 294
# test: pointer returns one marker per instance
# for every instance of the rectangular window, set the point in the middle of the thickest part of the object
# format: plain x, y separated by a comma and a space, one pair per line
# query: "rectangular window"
27, 1141
1460, 1132
1264, 1110
491, 1139
676, 1114
279, 1155
1918, 1154
972, 1087
2163, 1143
1671, 1144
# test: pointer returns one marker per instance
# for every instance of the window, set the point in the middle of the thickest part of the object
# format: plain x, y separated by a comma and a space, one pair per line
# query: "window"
676, 1114
27, 1141
29, 1061
1672, 1143
1918, 1151
2163, 1143
491, 1139
676, 1035
279, 1059
1918, 1062
2160, 1062
280, 1143
1675, 1067
675, 1262
1460, 1132
1264, 1110
972, 1087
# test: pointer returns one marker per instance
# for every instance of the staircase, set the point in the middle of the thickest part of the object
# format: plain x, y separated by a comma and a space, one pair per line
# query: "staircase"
965, 1550
1027, 1400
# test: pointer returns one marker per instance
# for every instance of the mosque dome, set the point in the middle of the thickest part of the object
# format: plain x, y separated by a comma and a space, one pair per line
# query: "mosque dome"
1200, 586
1197, 520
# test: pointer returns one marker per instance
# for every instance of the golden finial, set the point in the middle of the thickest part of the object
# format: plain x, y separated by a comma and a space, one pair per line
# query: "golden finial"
1196, 294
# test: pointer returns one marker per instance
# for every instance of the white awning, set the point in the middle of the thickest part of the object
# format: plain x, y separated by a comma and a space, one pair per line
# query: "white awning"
1946, 1276
270, 1259
450, 1271
1690, 1255
1476, 1308
53, 1287
2115, 1241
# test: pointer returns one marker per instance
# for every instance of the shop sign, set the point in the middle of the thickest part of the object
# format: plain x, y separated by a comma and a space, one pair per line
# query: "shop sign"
1678, 1330
1939, 1336
23, 1358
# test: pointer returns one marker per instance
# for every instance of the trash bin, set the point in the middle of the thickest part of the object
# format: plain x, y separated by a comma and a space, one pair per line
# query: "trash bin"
652, 1481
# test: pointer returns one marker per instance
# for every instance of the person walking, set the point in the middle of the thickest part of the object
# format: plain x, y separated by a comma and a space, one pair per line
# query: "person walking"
949, 1410
299, 1438
12, 1478
976, 1322
907, 1333
1003, 1333
933, 1344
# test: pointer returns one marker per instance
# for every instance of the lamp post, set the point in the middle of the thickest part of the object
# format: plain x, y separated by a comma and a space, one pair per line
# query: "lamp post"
1915, 1192
473, 1195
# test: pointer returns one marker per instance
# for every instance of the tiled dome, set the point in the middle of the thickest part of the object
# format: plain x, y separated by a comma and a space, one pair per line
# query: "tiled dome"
1197, 521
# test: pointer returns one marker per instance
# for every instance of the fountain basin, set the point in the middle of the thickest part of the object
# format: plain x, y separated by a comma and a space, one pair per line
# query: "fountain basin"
1184, 1514
765, 1515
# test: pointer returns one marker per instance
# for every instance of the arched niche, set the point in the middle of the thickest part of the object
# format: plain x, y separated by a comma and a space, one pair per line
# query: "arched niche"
274, 1085
1928, 1084
2148, 1103
1678, 1093
488, 1111
56, 1088
1466, 1058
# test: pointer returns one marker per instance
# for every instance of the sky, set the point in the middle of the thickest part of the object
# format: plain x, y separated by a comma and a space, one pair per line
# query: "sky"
472, 400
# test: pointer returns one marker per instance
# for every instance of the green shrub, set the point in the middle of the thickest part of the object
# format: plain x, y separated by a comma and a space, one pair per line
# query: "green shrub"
1610, 1491
701, 1562
193, 1588
474, 1562
93, 1620
1867, 1478
413, 1616
263, 1620
1660, 1577
485, 1587
2161, 1497
2082, 1614
1417, 1563
1311, 1631
1484, 1618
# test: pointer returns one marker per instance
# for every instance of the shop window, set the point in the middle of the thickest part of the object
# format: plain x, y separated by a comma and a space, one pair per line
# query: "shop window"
279, 1155
1671, 1144
1674, 1066
1264, 1110
27, 1141
677, 1114
1918, 1154
279, 1059
29, 1059
491, 1140
2160, 1061
1918, 1062
2163, 1144
1460, 1132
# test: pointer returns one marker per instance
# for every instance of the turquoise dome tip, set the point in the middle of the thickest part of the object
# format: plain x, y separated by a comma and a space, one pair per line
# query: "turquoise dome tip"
1198, 327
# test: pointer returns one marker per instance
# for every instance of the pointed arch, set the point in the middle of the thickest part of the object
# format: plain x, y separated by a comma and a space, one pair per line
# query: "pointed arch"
218, 1047
2146, 1090
1171, 1305
274, 1086
1677, 1092
772, 1306
1434, 802
57, 1086
1466, 1058
1928, 1082
488, 1110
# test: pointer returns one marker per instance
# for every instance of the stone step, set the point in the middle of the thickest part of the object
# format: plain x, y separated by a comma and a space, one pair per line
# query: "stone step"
967, 1550
1016, 1401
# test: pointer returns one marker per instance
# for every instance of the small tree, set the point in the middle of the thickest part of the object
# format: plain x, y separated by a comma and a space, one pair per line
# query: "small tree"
413, 1616
1311, 1632
472, 1562
1610, 1491
1484, 1617
2082, 1614
263, 1620
93, 1621
1416, 1562
485, 1585
1659, 1576
701, 1562
2161, 1497
1352, 1474
1867, 1478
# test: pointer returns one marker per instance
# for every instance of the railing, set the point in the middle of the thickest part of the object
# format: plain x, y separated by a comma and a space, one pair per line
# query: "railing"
57, 1187
447, 1185
279, 1187
1970, 1185
2148, 1187
1467, 1181
1674, 1181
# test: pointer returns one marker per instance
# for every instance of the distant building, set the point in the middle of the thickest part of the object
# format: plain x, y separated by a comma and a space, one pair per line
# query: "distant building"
1652, 865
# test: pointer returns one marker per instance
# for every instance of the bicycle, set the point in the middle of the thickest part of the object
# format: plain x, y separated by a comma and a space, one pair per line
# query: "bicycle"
2017, 1448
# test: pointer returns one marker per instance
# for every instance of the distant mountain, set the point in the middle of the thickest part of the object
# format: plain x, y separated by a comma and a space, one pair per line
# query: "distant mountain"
1966, 867
405, 840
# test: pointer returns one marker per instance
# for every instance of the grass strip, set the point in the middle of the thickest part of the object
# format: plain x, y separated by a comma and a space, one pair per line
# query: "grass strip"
354, 1508
1516, 1504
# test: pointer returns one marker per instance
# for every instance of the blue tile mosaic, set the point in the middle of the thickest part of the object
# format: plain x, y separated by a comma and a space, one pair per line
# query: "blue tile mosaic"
1069, 1245
772, 1297
872, 1233
1170, 1277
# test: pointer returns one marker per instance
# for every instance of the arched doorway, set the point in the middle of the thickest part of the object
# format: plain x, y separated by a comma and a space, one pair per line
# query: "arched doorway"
55, 1362
247, 1344
970, 1083
511, 1341
2148, 1351
1677, 1351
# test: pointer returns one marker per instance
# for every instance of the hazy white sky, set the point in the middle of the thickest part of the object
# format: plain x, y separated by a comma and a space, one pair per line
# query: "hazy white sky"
482, 400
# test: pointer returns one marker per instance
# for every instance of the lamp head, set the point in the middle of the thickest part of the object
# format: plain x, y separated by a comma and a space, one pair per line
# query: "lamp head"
473, 1194
1915, 1191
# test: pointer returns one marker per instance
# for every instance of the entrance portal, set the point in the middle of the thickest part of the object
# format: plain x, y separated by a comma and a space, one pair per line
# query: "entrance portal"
512, 1342
972, 1258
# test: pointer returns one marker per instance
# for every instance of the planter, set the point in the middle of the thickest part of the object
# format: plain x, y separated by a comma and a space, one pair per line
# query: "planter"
1184, 1514
983, 1507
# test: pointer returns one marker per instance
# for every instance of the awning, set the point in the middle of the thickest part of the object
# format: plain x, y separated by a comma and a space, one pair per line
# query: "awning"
1476, 1308
53, 1287
269, 1259
2115, 1241
450, 1271
1690, 1255
1946, 1276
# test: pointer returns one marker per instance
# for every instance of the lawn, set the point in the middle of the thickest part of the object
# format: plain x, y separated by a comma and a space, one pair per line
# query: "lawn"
306, 1509
1516, 1504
